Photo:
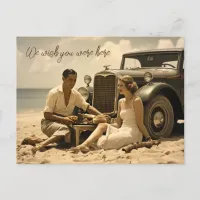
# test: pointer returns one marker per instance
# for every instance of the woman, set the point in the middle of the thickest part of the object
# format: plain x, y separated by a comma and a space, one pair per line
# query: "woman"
129, 127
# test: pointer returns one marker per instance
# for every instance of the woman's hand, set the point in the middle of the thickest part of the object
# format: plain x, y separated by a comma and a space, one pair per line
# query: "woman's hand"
108, 118
148, 139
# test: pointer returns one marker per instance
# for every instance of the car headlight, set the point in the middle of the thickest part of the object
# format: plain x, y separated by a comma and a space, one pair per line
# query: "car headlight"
87, 79
84, 92
148, 77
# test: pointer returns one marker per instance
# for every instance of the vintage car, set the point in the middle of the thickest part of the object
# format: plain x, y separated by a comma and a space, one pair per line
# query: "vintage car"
160, 77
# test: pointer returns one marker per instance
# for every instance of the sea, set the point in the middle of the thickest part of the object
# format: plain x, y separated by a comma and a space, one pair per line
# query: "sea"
31, 99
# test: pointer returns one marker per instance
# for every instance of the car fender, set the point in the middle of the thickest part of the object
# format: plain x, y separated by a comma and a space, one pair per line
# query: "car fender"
149, 91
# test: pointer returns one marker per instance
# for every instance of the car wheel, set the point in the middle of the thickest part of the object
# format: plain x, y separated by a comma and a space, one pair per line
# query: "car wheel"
159, 117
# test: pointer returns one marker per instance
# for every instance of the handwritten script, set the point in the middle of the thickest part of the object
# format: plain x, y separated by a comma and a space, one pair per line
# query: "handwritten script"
33, 52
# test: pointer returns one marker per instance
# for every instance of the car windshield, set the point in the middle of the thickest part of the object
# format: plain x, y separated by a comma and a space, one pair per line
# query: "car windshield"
151, 60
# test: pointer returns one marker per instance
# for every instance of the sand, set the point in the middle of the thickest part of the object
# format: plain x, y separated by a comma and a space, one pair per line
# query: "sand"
169, 151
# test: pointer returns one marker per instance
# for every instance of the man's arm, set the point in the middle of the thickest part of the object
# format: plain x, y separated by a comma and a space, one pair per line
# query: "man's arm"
56, 118
81, 103
93, 110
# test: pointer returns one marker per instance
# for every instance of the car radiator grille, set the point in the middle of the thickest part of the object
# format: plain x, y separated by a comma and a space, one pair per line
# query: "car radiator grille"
104, 93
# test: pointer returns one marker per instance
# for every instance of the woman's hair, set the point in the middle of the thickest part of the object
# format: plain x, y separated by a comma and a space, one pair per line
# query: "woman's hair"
67, 72
130, 84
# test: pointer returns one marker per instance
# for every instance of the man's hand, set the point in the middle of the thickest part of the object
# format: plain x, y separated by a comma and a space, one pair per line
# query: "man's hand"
93, 110
67, 120
73, 118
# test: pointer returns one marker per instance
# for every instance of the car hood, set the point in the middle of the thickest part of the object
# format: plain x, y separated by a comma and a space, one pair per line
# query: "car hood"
161, 73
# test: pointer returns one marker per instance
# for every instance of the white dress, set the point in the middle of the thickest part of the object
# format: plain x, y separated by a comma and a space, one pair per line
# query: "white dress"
128, 133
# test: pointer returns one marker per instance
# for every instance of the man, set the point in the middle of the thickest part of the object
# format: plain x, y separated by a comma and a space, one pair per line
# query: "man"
60, 104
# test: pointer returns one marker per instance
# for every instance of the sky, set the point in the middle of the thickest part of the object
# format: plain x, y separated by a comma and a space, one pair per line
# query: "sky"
37, 70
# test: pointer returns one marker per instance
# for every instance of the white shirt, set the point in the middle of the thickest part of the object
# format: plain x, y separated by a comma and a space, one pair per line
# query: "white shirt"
55, 102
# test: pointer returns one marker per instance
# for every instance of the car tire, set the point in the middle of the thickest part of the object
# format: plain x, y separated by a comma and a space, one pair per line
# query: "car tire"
159, 117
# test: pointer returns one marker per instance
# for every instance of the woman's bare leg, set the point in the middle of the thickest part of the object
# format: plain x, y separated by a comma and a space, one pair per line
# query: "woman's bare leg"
96, 134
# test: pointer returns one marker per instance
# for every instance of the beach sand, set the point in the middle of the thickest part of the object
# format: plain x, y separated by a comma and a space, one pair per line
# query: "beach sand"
169, 151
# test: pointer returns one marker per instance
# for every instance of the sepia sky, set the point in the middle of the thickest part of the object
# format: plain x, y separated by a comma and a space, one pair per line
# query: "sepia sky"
46, 72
